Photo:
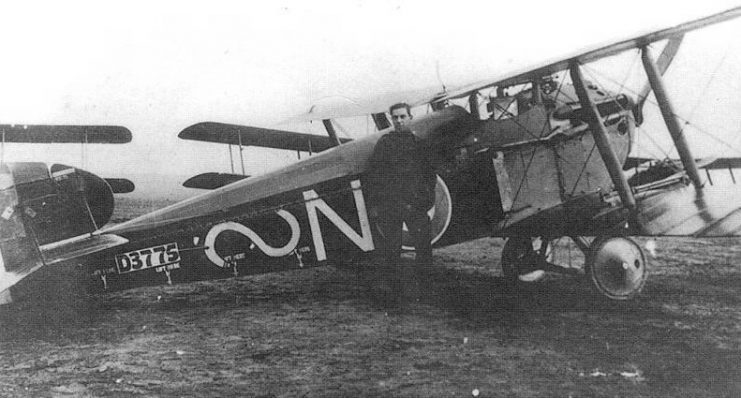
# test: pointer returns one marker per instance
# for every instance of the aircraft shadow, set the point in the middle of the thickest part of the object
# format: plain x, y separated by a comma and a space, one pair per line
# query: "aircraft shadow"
485, 298
477, 297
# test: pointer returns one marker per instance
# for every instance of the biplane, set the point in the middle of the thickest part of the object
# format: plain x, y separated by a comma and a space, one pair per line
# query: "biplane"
524, 156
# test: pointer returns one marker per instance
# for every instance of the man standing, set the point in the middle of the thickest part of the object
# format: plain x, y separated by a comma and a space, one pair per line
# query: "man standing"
401, 187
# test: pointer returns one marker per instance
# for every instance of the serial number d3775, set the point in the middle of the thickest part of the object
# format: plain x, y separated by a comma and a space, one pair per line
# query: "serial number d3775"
151, 257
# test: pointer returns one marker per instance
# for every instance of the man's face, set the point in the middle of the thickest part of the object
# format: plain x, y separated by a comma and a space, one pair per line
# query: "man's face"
401, 118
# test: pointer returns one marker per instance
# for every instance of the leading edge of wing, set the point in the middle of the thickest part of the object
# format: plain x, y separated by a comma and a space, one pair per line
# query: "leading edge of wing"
256, 136
593, 53
64, 134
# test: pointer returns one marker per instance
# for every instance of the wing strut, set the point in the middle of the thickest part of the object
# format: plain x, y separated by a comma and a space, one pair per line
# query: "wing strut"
241, 156
667, 111
662, 63
614, 168
331, 132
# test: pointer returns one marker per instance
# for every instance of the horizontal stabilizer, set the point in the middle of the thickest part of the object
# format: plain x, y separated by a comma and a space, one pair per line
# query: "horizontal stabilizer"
59, 134
79, 246
256, 136
120, 185
56, 252
212, 180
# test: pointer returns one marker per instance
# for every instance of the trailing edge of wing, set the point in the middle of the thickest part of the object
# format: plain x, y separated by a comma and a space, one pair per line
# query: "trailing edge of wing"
61, 134
256, 136
212, 180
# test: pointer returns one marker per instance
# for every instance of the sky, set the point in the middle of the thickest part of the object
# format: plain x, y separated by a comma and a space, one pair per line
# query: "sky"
158, 67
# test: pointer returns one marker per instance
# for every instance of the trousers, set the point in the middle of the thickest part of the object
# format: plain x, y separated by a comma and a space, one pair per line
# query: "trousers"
390, 221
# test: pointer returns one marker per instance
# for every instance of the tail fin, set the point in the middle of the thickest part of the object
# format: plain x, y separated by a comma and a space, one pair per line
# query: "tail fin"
19, 254
48, 218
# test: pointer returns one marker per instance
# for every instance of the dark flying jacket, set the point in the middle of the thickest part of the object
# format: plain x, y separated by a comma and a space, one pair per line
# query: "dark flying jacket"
400, 173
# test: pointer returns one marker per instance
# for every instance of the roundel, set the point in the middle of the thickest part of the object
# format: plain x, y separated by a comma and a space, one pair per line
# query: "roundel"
440, 215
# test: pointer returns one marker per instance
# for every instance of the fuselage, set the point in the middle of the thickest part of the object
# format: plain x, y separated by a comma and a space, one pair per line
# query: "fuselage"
494, 178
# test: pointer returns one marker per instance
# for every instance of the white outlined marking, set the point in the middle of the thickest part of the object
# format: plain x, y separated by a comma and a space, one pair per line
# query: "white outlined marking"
210, 239
314, 203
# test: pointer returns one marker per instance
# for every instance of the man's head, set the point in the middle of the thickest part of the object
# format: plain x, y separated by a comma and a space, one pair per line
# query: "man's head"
400, 116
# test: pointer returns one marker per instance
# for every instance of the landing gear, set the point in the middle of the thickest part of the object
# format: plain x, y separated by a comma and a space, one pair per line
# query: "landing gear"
523, 259
616, 266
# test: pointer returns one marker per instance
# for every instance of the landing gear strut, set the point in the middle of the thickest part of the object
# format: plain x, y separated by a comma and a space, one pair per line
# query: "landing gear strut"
523, 259
616, 266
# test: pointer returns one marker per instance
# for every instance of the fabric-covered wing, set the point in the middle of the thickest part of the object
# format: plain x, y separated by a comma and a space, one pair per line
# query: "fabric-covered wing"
359, 107
212, 180
711, 163
594, 53
685, 211
720, 163
256, 136
524, 75
58, 134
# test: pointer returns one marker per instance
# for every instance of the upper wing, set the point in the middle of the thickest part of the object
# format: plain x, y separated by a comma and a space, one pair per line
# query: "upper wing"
528, 74
212, 180
256, 136
59, 134
593, 53
378, 104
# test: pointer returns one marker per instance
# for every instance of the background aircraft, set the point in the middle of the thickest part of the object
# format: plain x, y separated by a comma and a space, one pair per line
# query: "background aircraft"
59, 134
536, 159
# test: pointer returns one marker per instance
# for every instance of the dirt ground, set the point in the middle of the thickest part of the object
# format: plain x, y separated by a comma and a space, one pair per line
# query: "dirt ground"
320, 333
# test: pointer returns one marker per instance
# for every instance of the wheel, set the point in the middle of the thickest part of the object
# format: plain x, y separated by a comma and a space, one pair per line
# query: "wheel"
520, 259
617, 267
